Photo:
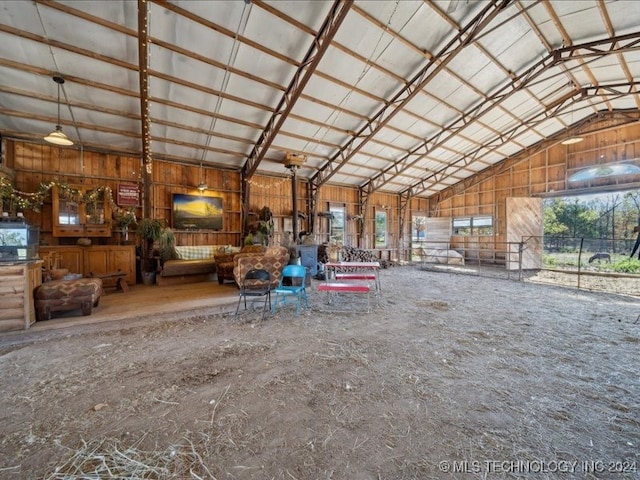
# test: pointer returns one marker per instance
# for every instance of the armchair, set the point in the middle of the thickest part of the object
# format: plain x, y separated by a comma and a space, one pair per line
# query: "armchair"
274, 259
225, 262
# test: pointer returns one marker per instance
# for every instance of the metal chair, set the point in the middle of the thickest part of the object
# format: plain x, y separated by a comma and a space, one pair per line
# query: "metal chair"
291, 286
256, 283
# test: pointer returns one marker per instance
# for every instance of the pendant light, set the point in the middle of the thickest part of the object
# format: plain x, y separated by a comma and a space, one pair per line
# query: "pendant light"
201, 186
573, 138
57, 137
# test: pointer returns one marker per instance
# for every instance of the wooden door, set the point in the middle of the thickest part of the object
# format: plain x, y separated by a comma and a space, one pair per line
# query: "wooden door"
96, 260
524, 224
123, 259
437, 233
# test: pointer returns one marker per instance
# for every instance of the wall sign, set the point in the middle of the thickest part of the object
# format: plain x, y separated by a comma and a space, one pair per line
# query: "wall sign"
128, 195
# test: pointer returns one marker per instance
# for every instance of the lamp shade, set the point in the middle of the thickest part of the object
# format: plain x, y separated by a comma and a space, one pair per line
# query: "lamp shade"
58, 138
572, 140
202, 186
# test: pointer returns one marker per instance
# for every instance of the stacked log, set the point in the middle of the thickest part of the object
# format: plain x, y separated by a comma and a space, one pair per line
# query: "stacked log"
351, 254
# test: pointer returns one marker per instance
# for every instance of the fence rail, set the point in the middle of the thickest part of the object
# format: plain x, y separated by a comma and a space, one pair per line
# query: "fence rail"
593, 264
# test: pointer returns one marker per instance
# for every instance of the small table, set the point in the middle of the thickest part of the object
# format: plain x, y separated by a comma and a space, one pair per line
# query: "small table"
117, 277
354, 271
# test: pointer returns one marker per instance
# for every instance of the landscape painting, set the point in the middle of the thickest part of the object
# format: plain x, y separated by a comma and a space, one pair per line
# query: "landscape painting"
192, 212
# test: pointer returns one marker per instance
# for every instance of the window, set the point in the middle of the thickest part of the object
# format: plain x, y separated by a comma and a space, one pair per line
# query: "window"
381, 229
336, 224
418, 228
462, 226
477, 226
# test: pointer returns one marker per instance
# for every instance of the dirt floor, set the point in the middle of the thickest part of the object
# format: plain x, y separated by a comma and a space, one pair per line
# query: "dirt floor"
450, 377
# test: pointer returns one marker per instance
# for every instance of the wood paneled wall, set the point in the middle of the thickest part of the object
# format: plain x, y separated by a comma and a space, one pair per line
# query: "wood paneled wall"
34, 164
542, 173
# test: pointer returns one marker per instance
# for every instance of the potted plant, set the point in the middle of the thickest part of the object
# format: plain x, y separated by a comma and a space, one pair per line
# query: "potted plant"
123, 221
149, 231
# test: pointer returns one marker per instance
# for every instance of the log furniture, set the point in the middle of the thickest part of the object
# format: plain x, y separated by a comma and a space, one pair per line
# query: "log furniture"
17, 283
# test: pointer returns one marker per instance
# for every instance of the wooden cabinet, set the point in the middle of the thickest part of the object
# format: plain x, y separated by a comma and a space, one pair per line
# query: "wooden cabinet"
17, 283
112, 258
86, 214
96, 259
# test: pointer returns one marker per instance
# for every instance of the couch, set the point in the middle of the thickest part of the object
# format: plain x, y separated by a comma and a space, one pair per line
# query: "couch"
194, 263
225, 262
273, 260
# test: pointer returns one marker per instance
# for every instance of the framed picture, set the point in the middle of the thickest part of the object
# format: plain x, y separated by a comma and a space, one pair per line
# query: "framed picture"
191, 212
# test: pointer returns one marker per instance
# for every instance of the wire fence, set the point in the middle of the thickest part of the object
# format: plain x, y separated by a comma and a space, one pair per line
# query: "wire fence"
594, 264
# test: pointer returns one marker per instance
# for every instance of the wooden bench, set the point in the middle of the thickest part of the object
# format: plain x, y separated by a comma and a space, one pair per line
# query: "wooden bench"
359, 276
113, 279
336, 287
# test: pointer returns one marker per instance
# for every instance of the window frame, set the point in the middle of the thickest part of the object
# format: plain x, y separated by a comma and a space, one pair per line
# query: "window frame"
473, 226
380, 228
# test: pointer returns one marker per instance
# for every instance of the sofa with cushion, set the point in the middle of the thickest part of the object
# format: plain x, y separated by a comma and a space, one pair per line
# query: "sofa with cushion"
194, 263
273, 260
225, 262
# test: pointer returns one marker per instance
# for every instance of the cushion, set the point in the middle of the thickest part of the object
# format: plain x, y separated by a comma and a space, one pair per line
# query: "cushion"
188, 267
196, 252
63, 289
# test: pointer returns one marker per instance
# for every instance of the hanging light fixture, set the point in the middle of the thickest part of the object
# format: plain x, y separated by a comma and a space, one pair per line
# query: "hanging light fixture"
573, 138
57, 137
201, 186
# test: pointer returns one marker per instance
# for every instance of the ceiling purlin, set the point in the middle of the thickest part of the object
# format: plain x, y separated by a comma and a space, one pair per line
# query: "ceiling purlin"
430, 56
263, 49
365, 61
585, 93
431, 96
64, 46
469, 85
87, 16
427, 55
222, 30
566, 42
300, 79
606, 19
554, 59
412, 88
620, 118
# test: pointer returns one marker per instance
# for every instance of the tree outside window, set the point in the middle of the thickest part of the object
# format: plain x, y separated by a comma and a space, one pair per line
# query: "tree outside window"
381, 229
418, 228
337, 223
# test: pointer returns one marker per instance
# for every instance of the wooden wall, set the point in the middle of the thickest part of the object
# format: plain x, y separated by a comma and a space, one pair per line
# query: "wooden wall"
541, 173
34, 164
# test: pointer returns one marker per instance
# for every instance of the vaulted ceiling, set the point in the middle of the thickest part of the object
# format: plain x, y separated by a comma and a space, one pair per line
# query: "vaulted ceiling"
395, 96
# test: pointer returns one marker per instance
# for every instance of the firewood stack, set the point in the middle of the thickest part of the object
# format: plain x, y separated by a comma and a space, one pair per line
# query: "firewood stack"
351, 254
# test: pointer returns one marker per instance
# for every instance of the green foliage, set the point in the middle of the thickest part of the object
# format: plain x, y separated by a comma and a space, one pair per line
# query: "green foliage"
549, 261
149, 231
627, 265
150, 228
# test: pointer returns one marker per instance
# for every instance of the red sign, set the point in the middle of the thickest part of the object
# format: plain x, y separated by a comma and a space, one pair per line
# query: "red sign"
128, 195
